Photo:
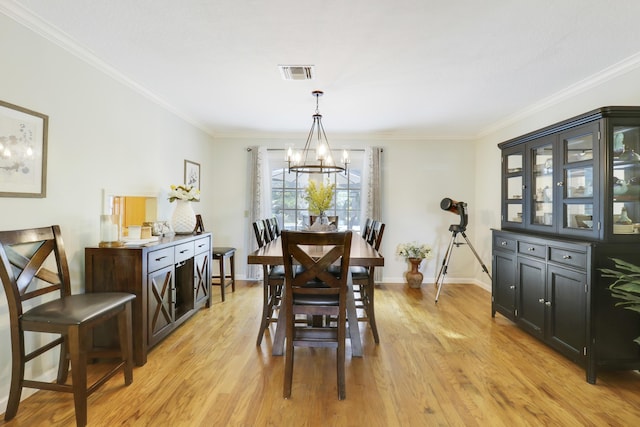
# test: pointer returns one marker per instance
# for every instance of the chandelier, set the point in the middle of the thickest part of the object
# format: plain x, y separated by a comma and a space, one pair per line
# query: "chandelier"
318, 159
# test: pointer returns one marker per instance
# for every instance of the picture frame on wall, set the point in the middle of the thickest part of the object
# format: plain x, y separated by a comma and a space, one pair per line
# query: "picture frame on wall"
23, 152
192, 174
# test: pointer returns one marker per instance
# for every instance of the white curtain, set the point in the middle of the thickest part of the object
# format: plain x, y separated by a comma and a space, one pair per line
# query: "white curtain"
259, 199
371, 199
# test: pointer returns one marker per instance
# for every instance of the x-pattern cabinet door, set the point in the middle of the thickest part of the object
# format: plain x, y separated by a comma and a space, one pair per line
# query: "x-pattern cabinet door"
202, 278
161, 311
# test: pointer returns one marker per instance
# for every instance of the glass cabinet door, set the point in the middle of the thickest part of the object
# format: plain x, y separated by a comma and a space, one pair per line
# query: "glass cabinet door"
626, 180
576, 186
542, 185
513, 188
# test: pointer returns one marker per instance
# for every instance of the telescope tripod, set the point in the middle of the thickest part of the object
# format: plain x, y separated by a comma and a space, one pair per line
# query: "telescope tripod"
455, 230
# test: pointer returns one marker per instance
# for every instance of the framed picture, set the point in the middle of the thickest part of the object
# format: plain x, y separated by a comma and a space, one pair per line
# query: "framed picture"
192, 174
23, 152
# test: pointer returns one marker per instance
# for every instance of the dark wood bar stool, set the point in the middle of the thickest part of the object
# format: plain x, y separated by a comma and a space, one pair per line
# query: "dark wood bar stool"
223, 280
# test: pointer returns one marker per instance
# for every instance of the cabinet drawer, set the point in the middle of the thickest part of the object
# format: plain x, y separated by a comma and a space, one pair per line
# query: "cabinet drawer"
504, 243
184, 251
202, 245
532, 249
567, 257
159, 259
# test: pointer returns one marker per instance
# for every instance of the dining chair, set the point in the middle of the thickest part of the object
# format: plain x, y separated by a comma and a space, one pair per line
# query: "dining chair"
35, 275
364, 282
262, 235
315, 290
272, 227
366, 229
273, 281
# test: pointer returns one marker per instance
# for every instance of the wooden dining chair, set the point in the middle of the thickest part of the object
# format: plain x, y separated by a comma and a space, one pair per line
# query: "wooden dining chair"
364, 282
35, 276
273, 281
315, 290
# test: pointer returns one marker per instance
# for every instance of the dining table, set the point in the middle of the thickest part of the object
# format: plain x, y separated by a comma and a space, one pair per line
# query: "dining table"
361, 254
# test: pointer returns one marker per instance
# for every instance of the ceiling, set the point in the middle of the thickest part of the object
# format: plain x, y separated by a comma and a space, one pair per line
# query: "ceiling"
438, 69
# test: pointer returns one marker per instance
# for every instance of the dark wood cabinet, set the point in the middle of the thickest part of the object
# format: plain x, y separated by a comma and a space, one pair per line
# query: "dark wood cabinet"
571, 203
170, 278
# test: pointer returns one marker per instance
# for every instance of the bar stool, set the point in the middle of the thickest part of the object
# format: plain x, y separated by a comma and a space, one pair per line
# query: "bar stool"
224, 280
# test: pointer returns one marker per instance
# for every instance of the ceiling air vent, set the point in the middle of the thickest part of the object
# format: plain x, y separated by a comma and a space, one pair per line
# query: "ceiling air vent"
296, 72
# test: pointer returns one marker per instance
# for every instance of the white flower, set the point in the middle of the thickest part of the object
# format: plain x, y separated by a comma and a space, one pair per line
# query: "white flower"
414, 250
180, 192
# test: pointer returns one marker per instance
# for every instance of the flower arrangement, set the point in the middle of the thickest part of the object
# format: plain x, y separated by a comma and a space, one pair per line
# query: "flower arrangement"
319, 196
414, 250
182, 192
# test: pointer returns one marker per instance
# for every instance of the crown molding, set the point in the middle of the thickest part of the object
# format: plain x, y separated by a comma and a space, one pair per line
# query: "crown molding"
25, 17
626, 65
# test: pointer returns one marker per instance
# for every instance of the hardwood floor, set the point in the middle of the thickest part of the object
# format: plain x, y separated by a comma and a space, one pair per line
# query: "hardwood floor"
448, 364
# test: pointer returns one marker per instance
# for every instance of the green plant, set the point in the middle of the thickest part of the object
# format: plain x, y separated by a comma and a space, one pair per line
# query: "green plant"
626, 286
319, 196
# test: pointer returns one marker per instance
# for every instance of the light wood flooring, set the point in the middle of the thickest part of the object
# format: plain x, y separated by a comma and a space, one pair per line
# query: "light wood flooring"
445, 364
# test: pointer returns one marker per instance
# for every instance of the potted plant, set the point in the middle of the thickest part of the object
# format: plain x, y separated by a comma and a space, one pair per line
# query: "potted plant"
626, 287
414, 253
320, 198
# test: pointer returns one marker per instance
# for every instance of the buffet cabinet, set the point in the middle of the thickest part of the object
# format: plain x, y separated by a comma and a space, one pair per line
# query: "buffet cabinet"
570, 203
171, 279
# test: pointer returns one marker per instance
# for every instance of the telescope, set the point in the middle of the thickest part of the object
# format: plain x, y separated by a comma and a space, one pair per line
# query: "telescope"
460, 209
457, 208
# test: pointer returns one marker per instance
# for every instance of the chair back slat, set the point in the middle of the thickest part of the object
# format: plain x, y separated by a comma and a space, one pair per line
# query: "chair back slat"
261, 233
24, 257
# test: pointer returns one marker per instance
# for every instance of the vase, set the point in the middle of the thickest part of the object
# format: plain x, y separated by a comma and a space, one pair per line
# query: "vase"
183, 220
413, 276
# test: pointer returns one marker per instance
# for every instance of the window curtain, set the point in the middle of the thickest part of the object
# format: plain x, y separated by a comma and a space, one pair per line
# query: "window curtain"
259, 199
371, 201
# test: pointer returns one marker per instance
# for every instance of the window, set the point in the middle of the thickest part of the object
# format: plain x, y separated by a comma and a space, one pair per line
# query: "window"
287, 193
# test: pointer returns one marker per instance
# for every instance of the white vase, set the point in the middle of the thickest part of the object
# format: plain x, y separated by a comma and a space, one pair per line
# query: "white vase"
183, 220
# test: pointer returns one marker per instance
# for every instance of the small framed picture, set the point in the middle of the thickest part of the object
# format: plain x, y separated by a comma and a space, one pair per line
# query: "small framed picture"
192, 174
23, 152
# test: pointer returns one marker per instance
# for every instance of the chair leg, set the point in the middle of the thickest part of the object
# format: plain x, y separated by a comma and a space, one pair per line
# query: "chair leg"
78, 357
265, 309
288, 359
371, 313
222, 278
342, 336
126, 342
232, 268
63, 364
17, 376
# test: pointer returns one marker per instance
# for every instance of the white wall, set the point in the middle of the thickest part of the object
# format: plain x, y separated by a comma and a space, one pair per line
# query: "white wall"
102, 134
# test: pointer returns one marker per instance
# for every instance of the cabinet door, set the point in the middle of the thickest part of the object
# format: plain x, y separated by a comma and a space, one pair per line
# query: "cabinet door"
541, 201
531, 295
513, 187
160, 312
566, 311
202, 279
624, 209
504, 284
577, 182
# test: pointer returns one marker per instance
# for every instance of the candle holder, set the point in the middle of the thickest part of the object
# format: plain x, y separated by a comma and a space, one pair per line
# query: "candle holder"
110, 231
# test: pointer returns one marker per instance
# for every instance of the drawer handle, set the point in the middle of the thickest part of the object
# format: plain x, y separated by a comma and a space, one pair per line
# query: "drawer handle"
566, 256
531, 249
548, 303
541, 300
503, 243
512, 287
161, 258
201, 246
186, 250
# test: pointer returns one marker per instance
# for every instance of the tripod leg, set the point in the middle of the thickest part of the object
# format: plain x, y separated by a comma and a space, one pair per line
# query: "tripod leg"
445, 264
484, 267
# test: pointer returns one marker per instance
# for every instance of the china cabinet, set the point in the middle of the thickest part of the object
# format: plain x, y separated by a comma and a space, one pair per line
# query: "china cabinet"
570, 203
171, 279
